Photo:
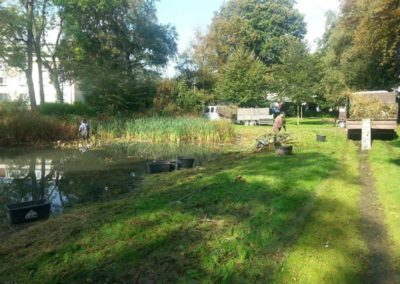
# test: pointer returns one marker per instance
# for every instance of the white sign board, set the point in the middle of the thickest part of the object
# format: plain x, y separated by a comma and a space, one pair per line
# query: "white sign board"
366, 135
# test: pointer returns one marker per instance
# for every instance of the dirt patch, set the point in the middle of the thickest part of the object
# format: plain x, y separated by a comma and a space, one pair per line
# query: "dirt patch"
379, 266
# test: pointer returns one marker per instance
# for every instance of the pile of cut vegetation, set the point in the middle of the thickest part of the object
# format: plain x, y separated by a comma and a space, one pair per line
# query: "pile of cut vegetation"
363, 106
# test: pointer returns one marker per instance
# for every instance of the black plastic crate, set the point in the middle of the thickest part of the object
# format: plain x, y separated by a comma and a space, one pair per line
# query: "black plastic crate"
28, 211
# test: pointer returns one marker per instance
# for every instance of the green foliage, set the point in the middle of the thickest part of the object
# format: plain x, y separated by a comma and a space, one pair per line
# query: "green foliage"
165, 101
298, 75
13, 31
168, 130
361, 49
57, 109
177, 97
242, 81
189, 99
21, 126
110, 46
258, 26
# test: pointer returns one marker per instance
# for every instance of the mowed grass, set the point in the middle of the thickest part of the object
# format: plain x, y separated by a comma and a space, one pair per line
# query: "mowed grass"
248, 217
385, 164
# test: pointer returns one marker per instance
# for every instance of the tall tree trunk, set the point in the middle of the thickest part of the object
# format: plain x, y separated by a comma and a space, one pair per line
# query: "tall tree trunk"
39, 29
40, 70
301, 112
57, 86
30, 48
298, 114
52, 65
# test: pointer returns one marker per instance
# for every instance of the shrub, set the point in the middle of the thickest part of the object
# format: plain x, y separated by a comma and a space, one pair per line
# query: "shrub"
24, 127
57, 109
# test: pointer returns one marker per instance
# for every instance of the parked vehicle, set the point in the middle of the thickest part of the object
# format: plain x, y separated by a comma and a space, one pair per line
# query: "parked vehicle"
254, 116
380, 106
217, 112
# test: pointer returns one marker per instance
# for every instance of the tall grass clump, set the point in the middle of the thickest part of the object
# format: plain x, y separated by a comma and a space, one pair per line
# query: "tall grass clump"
169, 130
20, 126
177, 130
111, 129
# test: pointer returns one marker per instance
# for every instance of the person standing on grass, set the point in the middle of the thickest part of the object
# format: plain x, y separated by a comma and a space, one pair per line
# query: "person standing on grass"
279, 123
84, 130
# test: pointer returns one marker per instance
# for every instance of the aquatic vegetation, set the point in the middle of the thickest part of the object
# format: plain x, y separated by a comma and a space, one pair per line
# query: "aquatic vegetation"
169, 130
24, 127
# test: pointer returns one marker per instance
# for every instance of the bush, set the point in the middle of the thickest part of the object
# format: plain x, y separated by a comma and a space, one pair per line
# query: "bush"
25, 127
57, 109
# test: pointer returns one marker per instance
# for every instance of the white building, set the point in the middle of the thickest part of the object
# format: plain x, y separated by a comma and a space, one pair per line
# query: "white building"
13, 86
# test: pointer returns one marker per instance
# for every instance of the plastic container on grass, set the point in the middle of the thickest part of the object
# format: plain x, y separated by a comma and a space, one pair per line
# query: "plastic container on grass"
28, 211
184, 162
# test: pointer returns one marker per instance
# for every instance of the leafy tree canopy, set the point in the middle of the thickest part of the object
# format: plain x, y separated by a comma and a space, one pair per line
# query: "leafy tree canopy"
242, 80
113, 47
260, 26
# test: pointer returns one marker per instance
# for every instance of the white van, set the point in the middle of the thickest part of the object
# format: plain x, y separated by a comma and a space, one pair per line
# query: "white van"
211, 113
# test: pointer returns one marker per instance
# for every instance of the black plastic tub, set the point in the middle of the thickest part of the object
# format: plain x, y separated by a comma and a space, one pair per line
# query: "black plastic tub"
28, 211
321, 138
160, 166
184, 162
284, 150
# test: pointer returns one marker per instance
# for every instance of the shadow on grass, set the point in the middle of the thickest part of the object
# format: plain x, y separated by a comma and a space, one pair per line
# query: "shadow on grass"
395, 161
316, 121
230, 222
395, 143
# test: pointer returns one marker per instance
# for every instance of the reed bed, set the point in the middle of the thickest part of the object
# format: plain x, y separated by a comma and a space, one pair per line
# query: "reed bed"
25, 127
169, 130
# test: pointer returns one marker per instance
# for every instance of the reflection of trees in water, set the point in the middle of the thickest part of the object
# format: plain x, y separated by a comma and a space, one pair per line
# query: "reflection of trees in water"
23, 183
64, 177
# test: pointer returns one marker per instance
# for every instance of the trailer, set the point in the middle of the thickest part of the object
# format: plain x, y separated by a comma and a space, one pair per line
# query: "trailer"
381, 107
254, 116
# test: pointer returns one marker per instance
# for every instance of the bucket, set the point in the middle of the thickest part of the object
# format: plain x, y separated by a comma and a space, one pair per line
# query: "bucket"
184, 162
321, 138
160, 166
284, 150
28, 211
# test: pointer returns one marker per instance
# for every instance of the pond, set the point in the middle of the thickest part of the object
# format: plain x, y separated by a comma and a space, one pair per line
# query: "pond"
69, 177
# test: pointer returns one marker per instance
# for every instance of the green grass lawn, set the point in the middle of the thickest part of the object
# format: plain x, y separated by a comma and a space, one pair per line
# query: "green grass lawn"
385, 163
248, 217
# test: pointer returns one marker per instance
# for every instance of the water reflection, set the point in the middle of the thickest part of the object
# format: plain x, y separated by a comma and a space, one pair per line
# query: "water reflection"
68, 177
65, 177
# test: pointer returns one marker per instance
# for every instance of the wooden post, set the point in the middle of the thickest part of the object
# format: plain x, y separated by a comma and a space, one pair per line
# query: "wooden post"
366, 135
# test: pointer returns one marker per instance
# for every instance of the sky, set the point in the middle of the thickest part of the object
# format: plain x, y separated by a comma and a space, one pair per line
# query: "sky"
189, 15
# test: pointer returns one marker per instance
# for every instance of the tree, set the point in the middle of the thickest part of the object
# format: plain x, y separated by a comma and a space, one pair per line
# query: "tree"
256, 25
112, 48
39, 26
298, 75
242, 80
362, 48
17, 39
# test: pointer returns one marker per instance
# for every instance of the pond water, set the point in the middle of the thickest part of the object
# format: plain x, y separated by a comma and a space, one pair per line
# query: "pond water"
68, 177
